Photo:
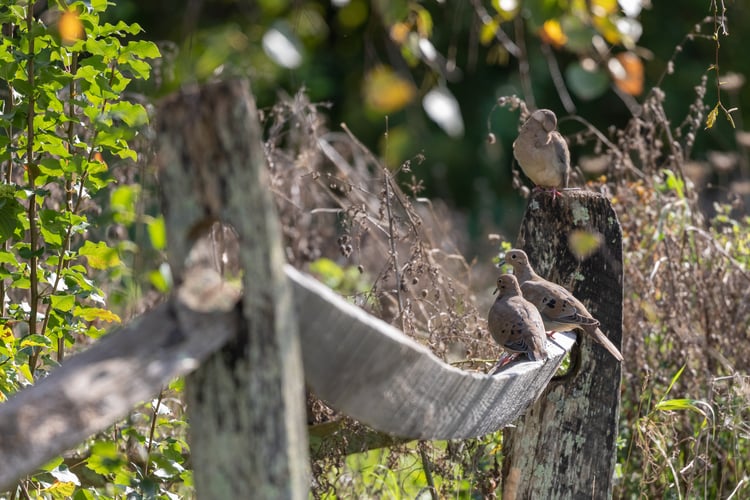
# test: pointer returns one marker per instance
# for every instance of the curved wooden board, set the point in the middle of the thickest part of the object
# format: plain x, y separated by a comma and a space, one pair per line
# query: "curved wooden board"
371, 371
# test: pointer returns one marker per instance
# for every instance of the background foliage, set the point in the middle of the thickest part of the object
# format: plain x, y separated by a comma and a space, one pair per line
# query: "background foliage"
420, 86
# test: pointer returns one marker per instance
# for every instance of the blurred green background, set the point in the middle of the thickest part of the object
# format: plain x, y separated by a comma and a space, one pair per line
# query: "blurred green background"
374, 63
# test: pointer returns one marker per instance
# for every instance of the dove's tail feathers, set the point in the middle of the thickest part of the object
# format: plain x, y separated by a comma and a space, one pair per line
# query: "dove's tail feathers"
585, 320
599, 336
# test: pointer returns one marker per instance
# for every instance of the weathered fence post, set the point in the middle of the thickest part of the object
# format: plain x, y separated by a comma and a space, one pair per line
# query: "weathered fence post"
564, 447
246, 402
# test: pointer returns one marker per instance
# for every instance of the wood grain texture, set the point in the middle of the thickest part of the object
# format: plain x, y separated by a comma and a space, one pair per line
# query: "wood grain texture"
564, 447
373, 372
99, 386
245, 402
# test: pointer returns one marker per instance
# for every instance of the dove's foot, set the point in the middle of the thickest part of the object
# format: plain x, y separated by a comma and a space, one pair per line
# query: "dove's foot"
505, 358
553, 191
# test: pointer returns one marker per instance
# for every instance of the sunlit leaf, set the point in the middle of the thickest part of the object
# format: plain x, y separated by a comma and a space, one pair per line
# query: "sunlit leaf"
282, 46
712, 115
627, 71
99, 255
70, 27
583, 244
35, 340
328, 272
96, 314
63, 303
385, 91
60, 489
606, 27
105, 458
424, 21
52, 464
157, 233
487, 31
399, 32
552, 33
443, 108
26, 372
6, 335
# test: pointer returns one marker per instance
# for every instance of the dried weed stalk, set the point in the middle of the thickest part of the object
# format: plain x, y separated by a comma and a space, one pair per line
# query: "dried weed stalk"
340, 204
337, 201
686, 304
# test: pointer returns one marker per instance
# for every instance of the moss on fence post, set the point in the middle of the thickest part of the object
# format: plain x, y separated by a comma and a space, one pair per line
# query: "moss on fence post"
565, 446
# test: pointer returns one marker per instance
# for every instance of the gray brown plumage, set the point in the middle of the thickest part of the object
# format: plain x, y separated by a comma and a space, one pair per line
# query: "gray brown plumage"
515, 323
560, 310
542, 152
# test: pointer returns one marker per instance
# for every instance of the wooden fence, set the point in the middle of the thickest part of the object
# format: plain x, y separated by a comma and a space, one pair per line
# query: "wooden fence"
243, 347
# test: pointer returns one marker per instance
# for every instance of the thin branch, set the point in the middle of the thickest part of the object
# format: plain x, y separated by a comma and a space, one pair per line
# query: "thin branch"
558, 80
31, 172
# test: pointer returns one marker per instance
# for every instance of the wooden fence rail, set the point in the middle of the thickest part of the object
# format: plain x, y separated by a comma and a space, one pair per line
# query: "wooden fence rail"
245, 358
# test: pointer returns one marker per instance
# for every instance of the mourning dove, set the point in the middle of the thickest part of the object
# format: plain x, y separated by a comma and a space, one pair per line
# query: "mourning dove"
515, 323
542, 152
560, 310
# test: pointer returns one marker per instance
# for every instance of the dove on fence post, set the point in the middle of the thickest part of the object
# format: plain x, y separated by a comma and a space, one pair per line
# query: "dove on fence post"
515, 323
542, 152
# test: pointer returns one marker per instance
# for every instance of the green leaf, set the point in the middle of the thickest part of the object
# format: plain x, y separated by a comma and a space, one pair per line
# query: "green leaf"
53, 464
134, 115
143, 49
105, 459
52, 227
99, 255
99, 5
328, 272
63, 303
159, 281
10, 210
586, 84
157, 233
82, 494
123, 200
26, 372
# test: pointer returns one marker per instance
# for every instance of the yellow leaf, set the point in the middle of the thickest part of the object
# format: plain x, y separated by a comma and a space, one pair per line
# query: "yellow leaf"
629, 78
608, 29
71, 28
59, 489
487, 31
711, 118
424, 22
584, 244
26, 372
6, 335
603, 7
385, 91
399, 32
95, 313
551, 32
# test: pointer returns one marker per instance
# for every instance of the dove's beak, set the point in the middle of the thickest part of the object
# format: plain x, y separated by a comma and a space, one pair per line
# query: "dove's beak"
497, 289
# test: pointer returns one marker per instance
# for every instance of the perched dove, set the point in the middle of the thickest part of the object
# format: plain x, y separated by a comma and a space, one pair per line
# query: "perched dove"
560, 310
515, 323
542, 152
